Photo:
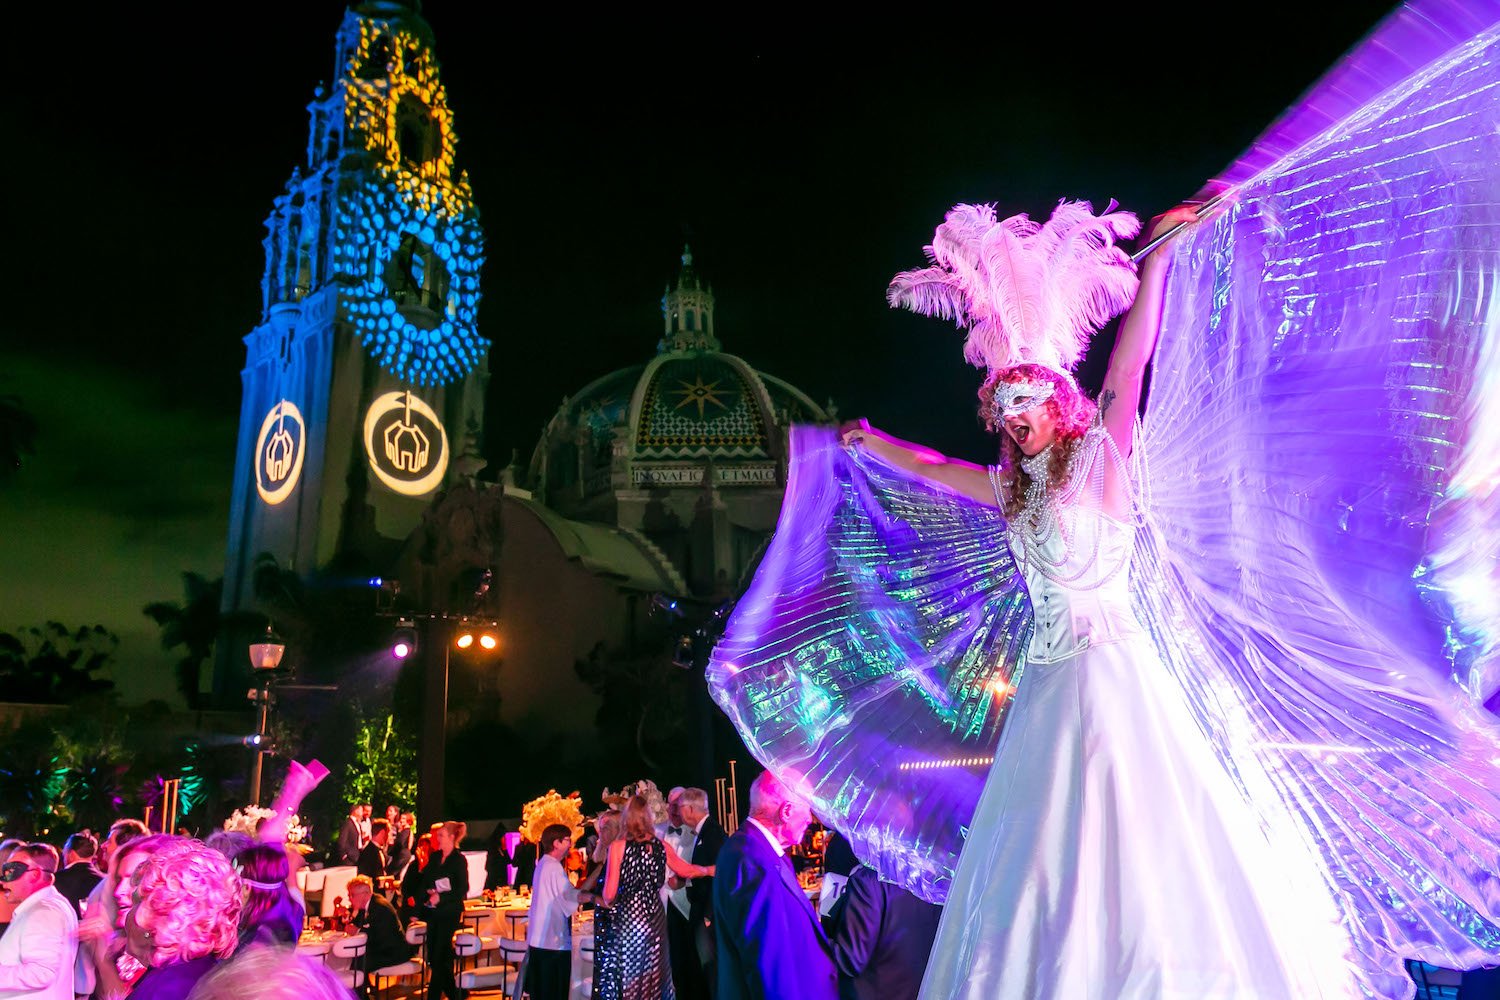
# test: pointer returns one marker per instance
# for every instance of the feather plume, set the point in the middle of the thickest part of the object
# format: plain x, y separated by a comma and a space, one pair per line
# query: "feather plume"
1026, 291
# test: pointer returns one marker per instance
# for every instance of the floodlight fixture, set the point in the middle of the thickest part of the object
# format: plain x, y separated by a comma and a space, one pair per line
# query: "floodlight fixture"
488, 640
404, 639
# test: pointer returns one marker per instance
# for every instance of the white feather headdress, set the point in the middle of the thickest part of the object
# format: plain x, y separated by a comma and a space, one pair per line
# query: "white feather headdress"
1026, 291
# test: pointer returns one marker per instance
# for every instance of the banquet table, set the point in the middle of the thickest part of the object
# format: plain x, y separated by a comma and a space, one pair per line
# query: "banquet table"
317, 943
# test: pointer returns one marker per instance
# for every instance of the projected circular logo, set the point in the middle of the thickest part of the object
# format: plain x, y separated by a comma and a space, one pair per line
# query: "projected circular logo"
279, 451
406, 444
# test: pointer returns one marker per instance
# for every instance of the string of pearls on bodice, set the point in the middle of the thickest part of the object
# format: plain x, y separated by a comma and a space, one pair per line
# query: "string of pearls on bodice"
1049, 534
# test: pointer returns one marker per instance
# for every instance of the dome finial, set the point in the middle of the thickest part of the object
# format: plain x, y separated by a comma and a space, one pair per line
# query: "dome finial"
688, 311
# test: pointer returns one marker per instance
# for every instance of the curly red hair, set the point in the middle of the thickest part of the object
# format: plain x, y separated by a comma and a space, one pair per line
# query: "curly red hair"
1072, 415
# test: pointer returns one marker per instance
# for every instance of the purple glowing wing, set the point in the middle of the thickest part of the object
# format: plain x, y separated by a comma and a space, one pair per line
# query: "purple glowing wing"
1324, 566
874, 654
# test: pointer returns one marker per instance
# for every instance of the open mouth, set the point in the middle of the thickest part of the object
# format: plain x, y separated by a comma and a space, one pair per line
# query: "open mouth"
1021, 433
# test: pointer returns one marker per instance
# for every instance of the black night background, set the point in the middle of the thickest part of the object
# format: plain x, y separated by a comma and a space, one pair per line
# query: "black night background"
805, 159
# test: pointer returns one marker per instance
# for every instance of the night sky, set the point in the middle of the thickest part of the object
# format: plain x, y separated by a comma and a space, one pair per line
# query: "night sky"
806, 161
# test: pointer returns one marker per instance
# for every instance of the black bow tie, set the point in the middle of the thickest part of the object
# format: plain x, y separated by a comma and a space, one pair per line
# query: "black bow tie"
675, 831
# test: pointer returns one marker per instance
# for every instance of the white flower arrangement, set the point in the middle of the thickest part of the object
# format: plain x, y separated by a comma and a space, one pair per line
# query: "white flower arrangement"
656, 803
247, 819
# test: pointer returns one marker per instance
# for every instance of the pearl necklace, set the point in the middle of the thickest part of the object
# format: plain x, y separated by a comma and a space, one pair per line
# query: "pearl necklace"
1036, 468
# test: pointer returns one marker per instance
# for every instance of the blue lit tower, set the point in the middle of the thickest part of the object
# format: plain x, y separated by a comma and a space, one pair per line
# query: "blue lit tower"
364, 382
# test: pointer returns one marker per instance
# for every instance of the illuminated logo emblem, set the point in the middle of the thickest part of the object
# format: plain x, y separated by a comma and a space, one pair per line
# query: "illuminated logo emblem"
406, 444
279, 451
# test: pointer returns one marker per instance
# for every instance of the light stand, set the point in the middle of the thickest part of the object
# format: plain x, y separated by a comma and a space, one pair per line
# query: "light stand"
265, 661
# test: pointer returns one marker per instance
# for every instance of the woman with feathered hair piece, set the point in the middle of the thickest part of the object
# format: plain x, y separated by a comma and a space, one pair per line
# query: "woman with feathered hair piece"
1060, 892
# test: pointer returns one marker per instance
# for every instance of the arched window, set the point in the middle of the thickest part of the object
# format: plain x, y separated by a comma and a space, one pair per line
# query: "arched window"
418, 282
417, 134
378, 63
692, 320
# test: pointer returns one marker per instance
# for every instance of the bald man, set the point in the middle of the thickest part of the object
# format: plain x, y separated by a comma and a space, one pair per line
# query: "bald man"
770, 944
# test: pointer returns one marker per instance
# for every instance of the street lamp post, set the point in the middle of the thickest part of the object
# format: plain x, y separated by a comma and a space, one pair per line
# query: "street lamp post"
442, 636
265, 660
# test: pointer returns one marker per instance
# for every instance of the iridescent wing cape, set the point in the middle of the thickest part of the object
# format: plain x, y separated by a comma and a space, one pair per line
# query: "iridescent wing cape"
1322, 564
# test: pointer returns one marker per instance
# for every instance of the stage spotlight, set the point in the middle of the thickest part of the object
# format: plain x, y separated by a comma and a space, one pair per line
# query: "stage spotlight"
464, 640
666, 605
253, 740
488, 641
404, 639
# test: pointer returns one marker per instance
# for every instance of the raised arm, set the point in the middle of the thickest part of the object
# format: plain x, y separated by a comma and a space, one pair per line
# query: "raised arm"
1120, 396
963, 477
612, 880
685, 869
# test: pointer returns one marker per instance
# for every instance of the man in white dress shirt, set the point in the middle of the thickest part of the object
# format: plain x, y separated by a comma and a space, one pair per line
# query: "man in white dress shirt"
549, 927
38, 949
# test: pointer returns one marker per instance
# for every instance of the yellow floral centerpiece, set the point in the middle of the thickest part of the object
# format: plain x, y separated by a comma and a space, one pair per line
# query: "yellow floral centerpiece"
540, 813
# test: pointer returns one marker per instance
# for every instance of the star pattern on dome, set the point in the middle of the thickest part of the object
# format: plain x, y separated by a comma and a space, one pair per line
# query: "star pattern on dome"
699, 392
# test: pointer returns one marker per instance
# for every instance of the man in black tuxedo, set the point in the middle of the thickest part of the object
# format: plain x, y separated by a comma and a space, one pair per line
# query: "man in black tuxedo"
770, 944
377, 918
883, 935
351, 836
373, 862
78, 876
690, 936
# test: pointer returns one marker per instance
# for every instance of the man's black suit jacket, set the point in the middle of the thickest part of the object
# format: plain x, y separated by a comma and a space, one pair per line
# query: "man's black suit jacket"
372, 862
700, 892
770, 944
77, 881
882, 940
387, 940
400, 851
349, 841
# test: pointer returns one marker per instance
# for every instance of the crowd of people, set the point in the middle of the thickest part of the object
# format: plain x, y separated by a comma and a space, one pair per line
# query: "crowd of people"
684, 912
151, 916
154, 916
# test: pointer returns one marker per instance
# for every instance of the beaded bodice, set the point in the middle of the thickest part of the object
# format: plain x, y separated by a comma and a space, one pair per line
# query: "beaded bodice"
1074, 554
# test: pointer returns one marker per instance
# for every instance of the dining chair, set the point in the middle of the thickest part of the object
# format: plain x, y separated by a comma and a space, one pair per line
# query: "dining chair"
352, 948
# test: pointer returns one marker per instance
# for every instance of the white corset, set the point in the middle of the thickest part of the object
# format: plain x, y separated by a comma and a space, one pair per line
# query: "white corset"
1077, 568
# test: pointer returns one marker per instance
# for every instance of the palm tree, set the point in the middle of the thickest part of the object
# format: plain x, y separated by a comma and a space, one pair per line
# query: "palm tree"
17, 435
195, 626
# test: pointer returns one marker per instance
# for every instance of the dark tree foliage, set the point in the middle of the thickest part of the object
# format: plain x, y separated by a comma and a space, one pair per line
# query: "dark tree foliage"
195, 626
55, 665
30, 779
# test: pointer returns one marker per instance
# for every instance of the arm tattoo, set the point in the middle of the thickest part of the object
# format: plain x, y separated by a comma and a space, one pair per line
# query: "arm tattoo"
1105, 401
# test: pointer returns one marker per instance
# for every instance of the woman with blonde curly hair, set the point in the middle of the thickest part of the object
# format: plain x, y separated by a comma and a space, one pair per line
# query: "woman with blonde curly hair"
186, 917
101, 933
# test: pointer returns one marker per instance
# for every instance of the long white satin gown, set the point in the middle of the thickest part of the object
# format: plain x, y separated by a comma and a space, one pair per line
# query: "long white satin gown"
1110, 856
